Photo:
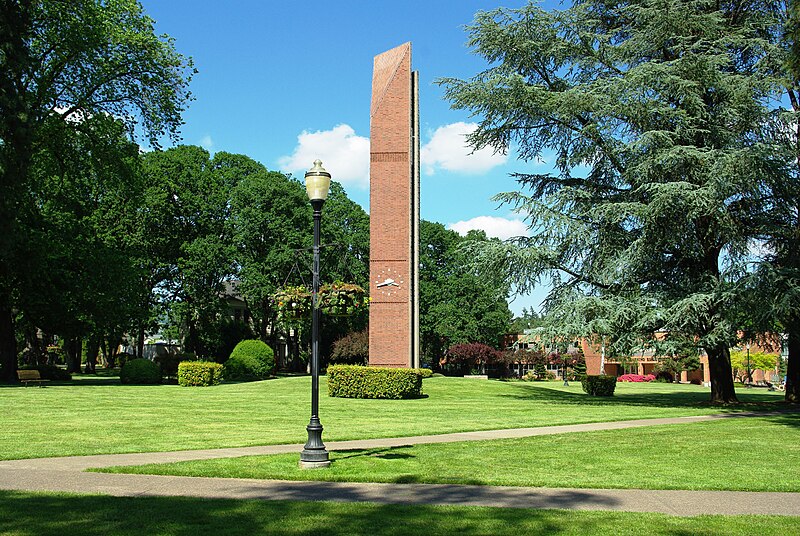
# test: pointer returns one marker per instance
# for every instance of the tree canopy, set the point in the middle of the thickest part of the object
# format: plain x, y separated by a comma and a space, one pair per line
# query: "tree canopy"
773, 287
656, 117
457, 303
73, 67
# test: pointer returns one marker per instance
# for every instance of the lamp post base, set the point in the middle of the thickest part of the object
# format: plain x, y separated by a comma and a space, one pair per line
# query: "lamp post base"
314, 454
314, 465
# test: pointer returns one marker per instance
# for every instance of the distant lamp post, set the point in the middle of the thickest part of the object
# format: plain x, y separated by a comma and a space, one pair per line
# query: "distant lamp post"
314, 454
749, 379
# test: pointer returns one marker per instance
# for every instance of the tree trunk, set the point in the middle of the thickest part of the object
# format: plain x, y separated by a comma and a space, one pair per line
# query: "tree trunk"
140, 341
8, 344
193, 340
719, 365
17, 142
262, 328
92, 350
793, 368
74, 355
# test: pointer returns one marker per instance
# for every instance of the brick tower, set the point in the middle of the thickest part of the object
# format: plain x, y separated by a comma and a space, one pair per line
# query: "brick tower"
394, 211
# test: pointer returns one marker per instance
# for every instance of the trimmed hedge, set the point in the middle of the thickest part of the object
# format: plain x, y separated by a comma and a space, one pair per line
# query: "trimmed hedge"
140, 372
599, 385
353, 381
424, 372
199, 373
250, 359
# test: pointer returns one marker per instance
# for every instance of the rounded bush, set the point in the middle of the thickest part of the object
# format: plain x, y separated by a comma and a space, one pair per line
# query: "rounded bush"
250, 359
140, 372
599, 385
352, 349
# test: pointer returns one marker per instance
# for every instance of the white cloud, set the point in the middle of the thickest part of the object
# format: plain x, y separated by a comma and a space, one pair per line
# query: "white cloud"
448, 150
207, 143
344, 154
494, 226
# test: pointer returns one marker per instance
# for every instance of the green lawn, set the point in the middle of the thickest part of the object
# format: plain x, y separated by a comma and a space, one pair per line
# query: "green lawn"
25, 514
93, 417
753, 454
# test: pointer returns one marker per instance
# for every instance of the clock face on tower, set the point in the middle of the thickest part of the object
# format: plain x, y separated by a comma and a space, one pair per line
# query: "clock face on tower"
389, 282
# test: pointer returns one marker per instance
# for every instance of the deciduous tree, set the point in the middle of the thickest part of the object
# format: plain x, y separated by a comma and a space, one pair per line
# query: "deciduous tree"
62, 63
457, 303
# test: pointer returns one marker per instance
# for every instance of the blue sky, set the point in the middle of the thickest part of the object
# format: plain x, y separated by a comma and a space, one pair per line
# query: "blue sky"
285, 82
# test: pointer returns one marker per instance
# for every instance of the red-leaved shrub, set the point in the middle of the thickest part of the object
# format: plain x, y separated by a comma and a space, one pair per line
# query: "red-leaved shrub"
473, 353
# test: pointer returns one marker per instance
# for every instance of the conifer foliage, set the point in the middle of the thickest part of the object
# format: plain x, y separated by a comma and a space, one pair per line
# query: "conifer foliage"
656, 116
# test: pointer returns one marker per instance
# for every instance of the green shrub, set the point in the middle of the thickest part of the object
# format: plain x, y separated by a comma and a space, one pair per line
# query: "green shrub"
529, 376
123, 358
250, 359
231, 333
599, 385
199, 373
55, 355
50, 372
353, 381
424, 372
140, 372
578, 369
169, 363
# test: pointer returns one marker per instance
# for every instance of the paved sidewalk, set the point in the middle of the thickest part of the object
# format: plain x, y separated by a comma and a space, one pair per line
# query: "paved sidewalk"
66, 474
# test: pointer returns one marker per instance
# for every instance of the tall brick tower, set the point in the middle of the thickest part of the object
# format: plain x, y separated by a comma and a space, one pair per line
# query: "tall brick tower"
394, 211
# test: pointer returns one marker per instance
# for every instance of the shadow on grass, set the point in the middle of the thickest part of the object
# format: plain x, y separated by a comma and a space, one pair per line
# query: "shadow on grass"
790, 417
386, 453
50, 514
94, 515
749, 401
85, 380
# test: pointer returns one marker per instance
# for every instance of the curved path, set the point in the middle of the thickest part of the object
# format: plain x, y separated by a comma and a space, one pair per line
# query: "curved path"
67, 474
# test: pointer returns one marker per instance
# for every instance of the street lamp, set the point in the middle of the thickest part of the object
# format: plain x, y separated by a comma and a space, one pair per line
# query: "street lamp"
314, 454
749, 375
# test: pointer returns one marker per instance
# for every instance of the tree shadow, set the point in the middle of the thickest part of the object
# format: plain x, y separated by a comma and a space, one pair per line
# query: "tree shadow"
92, 515
789, 417
387, 453
688, 399
50, 514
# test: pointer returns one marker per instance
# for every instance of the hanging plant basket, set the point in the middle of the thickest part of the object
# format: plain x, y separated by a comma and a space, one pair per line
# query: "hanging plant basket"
342, 299
293, 304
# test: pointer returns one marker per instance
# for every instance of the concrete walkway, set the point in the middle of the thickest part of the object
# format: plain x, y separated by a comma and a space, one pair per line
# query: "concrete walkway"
67, 474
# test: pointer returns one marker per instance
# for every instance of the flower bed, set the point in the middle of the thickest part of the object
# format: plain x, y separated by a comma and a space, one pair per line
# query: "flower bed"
637, 378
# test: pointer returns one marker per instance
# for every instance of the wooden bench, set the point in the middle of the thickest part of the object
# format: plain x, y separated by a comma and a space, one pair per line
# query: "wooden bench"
30, 376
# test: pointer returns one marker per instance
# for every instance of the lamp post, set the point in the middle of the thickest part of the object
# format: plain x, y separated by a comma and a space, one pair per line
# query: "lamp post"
314, 454
749, 376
